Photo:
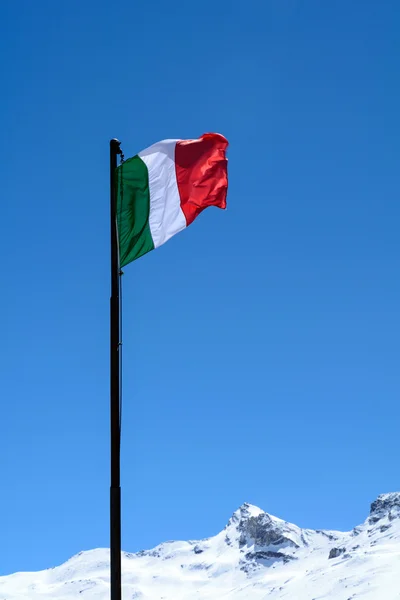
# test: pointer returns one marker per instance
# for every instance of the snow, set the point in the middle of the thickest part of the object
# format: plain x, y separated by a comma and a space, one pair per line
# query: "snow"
255, 557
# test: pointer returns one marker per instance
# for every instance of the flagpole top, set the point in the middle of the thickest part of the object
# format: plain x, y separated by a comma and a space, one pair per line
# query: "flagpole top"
115, 145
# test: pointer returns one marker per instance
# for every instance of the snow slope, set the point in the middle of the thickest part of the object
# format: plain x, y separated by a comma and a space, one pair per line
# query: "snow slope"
257, 556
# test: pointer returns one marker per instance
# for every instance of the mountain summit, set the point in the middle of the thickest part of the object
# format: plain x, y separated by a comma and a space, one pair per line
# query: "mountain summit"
256, 556
386, 505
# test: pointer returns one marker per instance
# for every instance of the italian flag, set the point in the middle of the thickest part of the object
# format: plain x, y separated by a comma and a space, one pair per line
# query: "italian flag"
161, 191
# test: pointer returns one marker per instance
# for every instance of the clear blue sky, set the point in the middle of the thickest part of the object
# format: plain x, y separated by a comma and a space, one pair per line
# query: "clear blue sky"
261, 345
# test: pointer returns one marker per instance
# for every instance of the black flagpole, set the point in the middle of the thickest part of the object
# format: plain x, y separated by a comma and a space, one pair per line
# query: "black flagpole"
115, 489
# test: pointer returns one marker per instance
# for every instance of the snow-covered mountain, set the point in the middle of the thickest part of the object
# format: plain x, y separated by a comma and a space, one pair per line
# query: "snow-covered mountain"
257, 556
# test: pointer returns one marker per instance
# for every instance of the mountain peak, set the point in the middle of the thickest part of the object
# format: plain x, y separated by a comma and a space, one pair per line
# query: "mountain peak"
243, 513
386, 505
250, 510
262, 537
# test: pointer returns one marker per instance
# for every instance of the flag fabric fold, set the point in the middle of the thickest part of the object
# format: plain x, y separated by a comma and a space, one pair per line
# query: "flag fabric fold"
161, 191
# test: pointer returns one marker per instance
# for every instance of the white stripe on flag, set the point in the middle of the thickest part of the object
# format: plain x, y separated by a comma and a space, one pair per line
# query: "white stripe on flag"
166, 216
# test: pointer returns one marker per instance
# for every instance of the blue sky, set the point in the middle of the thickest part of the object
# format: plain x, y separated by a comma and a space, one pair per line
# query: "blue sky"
261, 345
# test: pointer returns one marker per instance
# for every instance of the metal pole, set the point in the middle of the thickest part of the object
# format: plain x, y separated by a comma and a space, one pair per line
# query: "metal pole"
115, 489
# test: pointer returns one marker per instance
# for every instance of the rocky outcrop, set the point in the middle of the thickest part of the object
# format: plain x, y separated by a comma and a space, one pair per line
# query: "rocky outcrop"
336, 552
386, 505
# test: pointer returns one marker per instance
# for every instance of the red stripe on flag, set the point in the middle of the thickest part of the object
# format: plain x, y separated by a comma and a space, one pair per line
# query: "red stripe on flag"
201, 173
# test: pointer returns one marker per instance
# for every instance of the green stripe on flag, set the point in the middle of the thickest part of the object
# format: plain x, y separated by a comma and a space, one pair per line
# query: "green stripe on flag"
133, 209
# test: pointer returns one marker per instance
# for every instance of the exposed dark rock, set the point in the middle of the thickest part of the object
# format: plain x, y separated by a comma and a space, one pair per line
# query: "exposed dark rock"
228, 541
267, 555
386, 505
303, 539
330, 536
374, 519
264, 531
249, 566
336, 552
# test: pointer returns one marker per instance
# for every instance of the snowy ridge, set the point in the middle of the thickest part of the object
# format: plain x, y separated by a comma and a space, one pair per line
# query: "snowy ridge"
256, 556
